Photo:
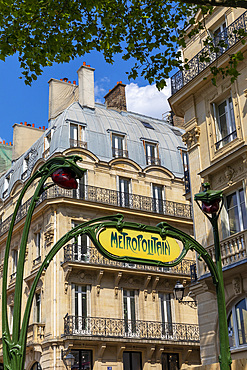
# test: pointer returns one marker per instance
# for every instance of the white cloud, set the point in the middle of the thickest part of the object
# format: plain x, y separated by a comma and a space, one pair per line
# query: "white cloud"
148, 100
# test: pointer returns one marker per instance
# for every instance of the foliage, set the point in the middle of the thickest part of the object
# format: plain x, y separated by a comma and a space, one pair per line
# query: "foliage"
151, 32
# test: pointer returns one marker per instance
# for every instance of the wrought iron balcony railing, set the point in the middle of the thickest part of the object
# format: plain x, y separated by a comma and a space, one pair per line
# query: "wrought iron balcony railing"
117, 153
138, 329
229, 37
109, 197
152, 160
90, 255
74, 143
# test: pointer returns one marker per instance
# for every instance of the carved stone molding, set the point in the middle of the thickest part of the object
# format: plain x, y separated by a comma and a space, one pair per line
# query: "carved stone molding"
237, 285
228, 175
191, 137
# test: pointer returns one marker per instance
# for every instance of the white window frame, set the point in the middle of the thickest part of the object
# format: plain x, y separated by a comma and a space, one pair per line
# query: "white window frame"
130, 332
156, 199
230, 122
77, 135
149, 158
116, 150
81, 257
235, 326
166, 299
123, 200
239, 210
78, 327
37, 309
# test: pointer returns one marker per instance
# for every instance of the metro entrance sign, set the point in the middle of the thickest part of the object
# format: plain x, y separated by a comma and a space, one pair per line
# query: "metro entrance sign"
161, 245
139, 246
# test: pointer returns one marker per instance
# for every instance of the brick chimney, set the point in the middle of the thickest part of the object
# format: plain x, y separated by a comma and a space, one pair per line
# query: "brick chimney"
115, 98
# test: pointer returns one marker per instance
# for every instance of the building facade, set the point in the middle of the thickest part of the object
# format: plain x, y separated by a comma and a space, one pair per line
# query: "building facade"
106, 315
216, 133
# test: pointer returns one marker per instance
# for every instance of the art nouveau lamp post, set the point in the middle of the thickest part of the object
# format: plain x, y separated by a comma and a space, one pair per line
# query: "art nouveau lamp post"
211, 205
64, 171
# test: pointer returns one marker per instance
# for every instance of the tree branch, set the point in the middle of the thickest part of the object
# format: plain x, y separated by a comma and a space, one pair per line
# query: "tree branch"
224, 3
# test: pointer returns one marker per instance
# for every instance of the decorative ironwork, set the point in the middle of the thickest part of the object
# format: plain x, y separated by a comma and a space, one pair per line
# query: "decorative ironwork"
116, 153
106, 196
152, 160
137, 329
228, 37
90, 255
78, 144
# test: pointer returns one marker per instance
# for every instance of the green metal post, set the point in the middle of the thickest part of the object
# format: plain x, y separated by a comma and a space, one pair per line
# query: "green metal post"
225, 353
211, 205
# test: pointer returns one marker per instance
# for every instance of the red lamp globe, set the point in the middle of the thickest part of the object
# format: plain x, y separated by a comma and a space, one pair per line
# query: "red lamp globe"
212, 207
65, 178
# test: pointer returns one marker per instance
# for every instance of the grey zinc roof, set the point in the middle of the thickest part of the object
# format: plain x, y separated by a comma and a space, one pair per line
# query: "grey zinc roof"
99, 123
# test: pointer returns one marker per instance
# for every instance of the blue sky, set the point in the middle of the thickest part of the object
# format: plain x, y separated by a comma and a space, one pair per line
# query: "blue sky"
20, 103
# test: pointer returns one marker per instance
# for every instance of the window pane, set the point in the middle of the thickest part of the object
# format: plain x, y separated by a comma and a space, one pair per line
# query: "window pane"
231, 333
223, 119
86, 360
241, 318
233, 213
243, 208
136, 361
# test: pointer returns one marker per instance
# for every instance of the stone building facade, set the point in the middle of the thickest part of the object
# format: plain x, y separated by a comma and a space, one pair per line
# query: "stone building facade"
107, 315
216, 132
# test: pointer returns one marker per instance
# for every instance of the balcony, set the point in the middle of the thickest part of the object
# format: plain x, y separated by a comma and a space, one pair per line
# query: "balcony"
106, 196
233, 250
128, 329
119, 153
152, 160
196, 65
35, 333
73, 253
74, 143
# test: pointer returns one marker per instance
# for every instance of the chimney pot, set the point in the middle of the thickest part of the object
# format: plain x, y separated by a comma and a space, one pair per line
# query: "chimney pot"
65, 79
84, 63
74, 82
10, 143
21, 123
120, 82
3, 141
43, 127
32, 124
69, 82
40, 128
61, 79
25, 123
29, 125
7, 143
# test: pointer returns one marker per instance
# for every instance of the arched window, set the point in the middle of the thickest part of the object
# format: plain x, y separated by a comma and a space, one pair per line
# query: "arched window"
237, 324
36, 366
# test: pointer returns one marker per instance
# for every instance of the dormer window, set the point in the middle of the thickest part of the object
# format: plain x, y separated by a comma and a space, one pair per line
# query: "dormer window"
25, 167
152, 154
77, 136
47, 144
6, 184
118, 146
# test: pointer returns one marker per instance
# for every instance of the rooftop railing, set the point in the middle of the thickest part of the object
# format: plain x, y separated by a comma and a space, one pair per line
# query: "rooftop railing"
134, 329
109, 197
90, 255
196, 65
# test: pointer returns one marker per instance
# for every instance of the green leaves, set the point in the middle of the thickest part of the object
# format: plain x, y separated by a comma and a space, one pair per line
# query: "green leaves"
149, 32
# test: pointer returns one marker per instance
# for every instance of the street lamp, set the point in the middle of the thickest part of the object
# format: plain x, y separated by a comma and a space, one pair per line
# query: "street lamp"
68, 359
211, 205
178, 292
